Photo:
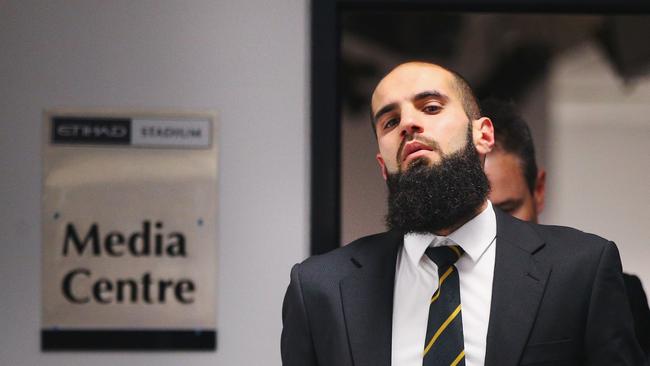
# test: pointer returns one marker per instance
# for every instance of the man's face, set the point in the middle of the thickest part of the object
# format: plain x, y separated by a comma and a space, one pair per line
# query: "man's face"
418, 115
509, 190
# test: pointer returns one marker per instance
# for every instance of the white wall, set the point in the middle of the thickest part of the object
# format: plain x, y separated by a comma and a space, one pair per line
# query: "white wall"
598, 168
248, 60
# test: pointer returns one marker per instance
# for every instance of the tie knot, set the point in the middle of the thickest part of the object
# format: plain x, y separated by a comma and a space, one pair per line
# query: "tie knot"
445, 255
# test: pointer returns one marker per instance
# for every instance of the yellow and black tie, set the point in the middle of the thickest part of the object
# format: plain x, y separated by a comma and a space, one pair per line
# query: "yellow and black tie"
444, 342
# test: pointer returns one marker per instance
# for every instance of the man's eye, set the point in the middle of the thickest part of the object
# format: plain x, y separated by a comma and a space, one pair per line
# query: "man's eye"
390, 123
432, 108
510, 206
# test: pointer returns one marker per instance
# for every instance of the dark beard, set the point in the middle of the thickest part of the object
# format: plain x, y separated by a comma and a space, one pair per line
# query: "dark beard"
426, 199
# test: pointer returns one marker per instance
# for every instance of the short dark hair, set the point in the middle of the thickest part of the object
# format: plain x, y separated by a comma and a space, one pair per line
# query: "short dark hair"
512, 135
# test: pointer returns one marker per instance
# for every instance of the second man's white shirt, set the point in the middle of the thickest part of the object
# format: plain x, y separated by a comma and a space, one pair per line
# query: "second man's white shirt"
416, 279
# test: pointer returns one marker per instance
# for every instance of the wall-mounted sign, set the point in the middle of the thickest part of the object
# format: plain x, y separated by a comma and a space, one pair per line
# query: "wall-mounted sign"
129, 231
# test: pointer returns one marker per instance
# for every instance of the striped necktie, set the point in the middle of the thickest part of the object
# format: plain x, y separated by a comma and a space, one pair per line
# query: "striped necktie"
444, 341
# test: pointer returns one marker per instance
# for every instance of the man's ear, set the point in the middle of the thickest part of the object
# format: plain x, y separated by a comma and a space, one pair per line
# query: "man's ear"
483, 135
382, 166
540, 190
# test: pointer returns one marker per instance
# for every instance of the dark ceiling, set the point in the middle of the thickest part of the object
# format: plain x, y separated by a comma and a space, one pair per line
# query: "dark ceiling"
502, 55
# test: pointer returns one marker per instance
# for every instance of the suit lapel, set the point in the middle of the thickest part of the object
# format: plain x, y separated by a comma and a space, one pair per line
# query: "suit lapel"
367, 297
518, 286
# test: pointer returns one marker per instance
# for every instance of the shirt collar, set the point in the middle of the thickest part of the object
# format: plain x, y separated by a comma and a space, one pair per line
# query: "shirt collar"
475, 236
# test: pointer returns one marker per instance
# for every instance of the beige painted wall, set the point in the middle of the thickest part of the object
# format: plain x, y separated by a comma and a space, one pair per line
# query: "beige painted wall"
599, 162
247, 60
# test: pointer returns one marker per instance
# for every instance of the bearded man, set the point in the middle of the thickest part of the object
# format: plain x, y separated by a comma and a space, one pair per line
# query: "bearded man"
454, 281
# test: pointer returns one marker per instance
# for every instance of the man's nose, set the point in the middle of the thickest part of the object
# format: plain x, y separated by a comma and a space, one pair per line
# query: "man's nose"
410, 126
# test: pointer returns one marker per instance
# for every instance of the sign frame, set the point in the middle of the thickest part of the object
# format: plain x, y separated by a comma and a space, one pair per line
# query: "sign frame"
102, 337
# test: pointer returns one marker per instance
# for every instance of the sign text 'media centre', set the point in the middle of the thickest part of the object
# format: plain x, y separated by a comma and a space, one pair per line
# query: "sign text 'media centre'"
80, 286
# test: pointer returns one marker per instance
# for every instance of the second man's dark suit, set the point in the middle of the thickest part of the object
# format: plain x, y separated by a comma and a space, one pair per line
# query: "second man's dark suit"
558, 299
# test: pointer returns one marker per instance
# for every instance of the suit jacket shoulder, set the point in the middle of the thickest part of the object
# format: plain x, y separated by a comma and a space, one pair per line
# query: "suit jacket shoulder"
370, 251
340, 303
558, 297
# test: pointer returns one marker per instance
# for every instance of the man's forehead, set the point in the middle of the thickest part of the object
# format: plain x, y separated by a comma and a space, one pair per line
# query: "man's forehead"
410, 79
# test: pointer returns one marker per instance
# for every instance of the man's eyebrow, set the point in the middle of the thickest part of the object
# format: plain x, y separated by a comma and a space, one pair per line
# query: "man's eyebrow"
385, 109
419, 96
431, 94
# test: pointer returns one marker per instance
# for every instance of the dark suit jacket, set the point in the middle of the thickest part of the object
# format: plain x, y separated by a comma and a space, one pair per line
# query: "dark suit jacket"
640, 311
558, 299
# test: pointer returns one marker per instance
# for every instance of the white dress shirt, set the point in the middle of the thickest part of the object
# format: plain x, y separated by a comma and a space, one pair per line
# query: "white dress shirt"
416, 279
